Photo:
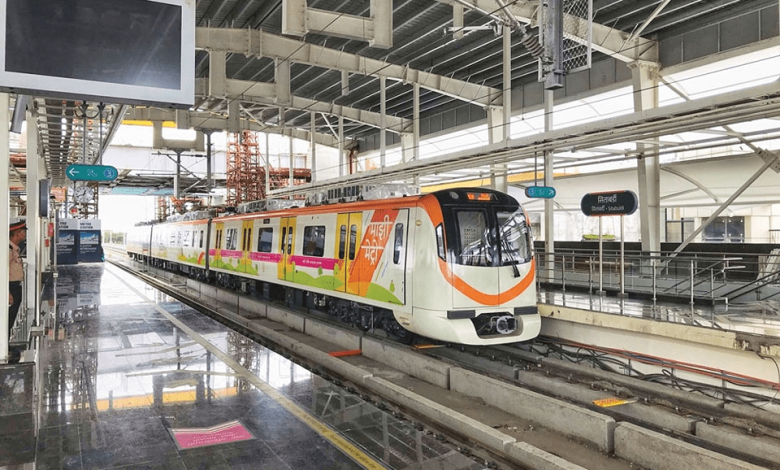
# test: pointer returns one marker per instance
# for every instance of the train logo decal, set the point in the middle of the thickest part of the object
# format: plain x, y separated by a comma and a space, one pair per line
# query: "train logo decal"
372, 248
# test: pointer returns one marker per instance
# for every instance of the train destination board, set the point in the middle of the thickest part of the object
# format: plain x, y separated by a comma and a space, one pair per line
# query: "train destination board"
609, 203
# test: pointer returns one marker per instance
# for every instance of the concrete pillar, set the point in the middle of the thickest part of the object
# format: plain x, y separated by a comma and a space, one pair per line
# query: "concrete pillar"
645, 82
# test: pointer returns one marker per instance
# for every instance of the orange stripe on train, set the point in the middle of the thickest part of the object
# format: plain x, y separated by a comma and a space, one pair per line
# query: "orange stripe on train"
487, 299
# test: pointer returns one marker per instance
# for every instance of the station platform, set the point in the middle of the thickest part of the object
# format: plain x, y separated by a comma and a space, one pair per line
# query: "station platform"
131, 378
734, 345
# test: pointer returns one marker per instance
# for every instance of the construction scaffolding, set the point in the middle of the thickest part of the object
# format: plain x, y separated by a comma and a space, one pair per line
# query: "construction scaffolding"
246, 174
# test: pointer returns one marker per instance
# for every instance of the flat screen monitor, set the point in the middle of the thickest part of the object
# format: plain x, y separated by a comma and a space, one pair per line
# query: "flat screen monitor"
119, 51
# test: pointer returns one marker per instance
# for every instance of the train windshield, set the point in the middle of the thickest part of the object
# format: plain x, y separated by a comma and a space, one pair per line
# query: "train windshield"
491, 237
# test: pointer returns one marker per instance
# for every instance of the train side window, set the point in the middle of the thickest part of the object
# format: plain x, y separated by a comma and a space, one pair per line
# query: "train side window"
248, 239
399, 243
440, 241
194, 238
342, 241
284, 239
231, 241
264, 240
314, 240
290, 241
352, 241
201, 239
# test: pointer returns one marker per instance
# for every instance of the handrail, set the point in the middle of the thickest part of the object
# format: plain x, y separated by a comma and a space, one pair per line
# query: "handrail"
648, 272
759, 283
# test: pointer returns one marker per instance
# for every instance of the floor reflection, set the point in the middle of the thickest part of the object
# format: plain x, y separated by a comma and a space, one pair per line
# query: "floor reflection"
119, 379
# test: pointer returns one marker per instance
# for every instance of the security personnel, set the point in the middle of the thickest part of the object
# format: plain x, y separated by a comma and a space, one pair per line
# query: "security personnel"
17, 233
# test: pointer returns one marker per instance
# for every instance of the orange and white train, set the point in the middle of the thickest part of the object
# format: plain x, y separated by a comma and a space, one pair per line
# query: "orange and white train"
454, 265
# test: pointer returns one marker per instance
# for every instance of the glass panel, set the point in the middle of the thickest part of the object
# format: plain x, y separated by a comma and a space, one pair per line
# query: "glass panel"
352, 241
342, 241
284, 239
399, 243
475, 249
265, 239
232, 239
440, 242
515, 238
289, 241
314, 241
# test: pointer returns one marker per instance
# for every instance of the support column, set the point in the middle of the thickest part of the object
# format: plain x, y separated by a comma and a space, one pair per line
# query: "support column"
498, 179
416, 120
382, 124
34, 233
313, 145
292, 162
342, 160
645, 81
407, 147
549, 207
267, 164
208, 161
5, 210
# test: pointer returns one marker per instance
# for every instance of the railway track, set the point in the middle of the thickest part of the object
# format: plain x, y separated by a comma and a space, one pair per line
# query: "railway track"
524, 384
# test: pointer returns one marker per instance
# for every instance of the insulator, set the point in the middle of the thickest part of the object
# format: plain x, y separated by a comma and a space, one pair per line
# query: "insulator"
533, 46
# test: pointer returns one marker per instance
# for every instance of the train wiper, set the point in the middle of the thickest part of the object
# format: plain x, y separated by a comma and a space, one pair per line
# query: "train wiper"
512, 254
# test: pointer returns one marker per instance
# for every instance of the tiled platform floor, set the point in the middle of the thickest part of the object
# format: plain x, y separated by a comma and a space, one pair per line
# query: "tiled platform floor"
125, 365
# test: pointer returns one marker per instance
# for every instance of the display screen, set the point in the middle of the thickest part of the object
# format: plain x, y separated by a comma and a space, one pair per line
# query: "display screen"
87, 46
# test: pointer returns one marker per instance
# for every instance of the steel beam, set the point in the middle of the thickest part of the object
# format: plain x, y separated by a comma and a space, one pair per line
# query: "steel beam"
610, 41
735, 106
265, 93
377, 30
262, 44
204, 121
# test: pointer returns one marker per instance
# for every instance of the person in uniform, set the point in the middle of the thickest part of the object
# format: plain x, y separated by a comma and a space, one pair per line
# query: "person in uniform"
17, 233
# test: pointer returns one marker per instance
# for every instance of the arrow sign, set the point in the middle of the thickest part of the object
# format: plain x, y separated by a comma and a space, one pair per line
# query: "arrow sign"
546, 192
91, 173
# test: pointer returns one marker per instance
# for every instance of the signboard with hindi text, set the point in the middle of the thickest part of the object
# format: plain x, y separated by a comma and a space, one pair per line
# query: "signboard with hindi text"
609, 203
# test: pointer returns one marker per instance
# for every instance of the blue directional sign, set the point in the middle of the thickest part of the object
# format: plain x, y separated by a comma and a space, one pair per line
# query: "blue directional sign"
91, 173
546, 192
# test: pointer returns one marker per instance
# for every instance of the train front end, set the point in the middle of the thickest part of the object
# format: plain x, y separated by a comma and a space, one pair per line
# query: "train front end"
480, 281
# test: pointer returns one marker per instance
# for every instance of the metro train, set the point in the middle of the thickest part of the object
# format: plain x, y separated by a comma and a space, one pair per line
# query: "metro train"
454, 265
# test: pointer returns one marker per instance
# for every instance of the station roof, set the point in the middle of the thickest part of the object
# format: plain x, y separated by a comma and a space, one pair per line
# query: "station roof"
423, 51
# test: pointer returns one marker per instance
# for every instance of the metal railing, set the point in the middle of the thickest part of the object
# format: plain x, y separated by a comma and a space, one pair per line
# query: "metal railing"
692, 277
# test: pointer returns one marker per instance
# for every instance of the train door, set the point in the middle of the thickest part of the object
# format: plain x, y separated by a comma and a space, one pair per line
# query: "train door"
349, 231
217, 258
287, 248
246, 245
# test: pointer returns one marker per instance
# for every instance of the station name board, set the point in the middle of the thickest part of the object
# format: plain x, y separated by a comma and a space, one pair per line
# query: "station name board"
609, 203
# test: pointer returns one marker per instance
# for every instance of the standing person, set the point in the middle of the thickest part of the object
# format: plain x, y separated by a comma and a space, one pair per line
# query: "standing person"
17, 233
